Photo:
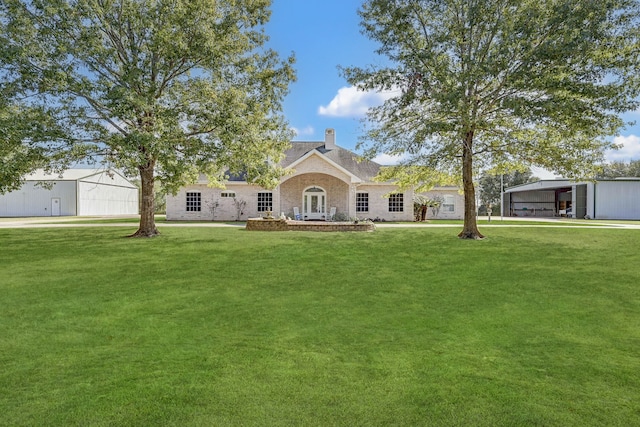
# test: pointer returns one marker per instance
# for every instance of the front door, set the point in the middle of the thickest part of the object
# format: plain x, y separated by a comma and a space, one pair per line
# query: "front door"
314, 204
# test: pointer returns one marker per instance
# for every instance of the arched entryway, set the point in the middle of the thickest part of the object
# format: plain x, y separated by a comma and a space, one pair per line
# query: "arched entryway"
314, 203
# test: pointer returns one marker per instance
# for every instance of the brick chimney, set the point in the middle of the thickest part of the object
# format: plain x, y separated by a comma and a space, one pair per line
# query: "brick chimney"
329, 139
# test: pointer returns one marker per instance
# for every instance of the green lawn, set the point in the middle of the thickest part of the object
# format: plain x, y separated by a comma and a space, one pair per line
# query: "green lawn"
409, 326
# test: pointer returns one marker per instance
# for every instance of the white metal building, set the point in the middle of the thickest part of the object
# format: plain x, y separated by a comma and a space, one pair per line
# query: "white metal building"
602, 199
77, 192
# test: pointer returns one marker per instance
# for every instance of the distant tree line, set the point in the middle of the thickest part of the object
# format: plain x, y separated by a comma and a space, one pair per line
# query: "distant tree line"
620, 169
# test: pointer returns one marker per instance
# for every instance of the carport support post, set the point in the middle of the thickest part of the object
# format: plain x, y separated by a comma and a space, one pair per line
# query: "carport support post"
501, 196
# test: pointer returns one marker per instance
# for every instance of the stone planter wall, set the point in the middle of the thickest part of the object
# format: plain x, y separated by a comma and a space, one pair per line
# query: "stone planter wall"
259, 224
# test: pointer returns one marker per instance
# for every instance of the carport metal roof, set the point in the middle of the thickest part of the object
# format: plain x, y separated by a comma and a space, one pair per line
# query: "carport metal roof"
555, 184
543, 185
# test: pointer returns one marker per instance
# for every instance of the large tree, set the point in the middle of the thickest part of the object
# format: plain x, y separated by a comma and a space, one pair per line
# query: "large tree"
482, 83
161, 88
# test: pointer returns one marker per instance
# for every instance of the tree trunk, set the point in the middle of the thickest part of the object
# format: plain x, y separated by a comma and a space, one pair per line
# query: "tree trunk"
470, 229
147, 227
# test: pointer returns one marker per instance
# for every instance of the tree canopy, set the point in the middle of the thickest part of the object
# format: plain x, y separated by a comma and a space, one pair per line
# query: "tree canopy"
620, 170
20, 151
165, 89
497, 83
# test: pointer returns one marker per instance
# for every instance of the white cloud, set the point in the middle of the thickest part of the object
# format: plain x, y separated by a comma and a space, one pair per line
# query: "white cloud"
388, 160
630, 149
351, 102
309, 130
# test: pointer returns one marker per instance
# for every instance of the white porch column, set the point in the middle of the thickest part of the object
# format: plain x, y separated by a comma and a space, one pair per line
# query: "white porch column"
352, 200
277, 207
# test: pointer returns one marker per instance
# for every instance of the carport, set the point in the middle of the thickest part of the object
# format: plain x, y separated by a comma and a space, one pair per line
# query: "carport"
549, 198
600, 199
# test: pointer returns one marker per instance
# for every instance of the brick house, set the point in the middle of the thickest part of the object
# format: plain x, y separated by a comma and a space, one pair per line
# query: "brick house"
325, 176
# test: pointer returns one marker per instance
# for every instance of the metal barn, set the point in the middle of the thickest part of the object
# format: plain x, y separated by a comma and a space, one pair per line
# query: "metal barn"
76, 192
601, 199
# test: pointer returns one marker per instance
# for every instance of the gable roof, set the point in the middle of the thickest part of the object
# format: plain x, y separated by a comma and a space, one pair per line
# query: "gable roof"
93, 175
347, 160
67, 175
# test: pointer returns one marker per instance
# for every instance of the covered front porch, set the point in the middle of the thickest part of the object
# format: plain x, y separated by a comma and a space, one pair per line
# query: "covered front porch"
313, 195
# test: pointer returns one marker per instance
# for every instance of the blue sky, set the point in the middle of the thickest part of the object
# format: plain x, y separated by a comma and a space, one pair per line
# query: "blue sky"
324, 34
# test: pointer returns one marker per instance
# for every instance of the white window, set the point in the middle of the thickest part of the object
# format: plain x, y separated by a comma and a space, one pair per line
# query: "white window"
449, 203
194, 202
228, 194
396, 202
265, 202
362, 202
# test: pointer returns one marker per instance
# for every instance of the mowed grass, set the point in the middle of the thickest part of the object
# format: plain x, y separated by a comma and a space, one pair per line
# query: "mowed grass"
224, 327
